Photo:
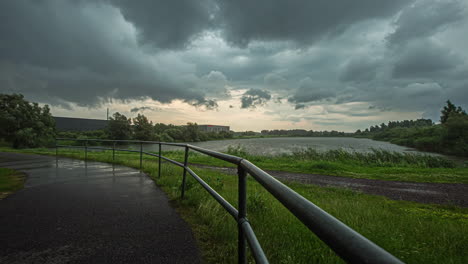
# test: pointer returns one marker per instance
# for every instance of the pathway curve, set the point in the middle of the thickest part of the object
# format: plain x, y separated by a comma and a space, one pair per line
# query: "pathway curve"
433, 193
72, 211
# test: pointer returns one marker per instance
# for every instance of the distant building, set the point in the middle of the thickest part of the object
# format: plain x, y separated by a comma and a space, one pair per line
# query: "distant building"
78, 124
213, 128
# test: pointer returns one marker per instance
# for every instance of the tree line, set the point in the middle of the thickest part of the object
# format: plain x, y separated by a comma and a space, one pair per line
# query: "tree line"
304, 133
140, 128
448, 137
25, 124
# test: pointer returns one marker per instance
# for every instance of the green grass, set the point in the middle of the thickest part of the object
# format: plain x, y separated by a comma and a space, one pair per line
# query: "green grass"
380, 165
415, 233
10, 181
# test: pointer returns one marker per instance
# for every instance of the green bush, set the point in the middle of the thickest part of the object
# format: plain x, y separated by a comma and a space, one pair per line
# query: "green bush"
449, 137
25, 124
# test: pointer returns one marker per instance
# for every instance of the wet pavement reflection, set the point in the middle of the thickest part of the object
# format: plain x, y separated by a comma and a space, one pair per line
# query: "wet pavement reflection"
72, 211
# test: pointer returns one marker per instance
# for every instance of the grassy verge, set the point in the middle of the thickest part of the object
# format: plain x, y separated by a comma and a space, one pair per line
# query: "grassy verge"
10, 181
413, 232
381, 165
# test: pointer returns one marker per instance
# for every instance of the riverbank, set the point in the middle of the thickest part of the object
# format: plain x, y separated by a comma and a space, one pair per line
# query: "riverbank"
415, 233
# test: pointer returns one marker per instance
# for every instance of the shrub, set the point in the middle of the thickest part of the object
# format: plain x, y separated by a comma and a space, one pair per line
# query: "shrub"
25, 124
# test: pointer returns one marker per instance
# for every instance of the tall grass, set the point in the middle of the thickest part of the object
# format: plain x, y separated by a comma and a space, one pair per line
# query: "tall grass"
376, 164
376, 157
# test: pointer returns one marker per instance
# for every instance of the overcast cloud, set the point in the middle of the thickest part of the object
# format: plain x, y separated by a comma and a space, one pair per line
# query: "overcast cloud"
294, 64
255, 97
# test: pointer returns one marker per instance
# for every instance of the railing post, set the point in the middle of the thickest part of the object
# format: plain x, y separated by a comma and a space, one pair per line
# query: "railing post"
159, 165
185, 172
242, 198
56, 153
86, 150
141, 155
113, 151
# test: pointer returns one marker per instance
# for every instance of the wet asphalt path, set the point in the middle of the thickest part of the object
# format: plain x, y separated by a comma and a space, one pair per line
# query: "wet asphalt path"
72, 211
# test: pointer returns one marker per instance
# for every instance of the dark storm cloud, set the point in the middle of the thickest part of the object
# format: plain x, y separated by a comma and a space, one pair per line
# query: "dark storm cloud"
425, 18
412, 96
299, 106
142, 109
301, 21
44, 33
310, 91
254, 97
206, 104
381, 109
168, 24
311, 95
389, 54
80, 51
417, 75
424, 59
359, 70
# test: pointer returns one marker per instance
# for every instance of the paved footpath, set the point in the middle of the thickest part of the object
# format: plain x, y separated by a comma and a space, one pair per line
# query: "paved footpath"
72, 211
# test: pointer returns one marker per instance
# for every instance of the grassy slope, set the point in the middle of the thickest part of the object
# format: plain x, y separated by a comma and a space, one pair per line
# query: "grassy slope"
414, 232
10, 181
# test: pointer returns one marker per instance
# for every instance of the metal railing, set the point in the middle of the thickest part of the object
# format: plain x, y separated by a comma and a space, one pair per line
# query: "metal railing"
347, 243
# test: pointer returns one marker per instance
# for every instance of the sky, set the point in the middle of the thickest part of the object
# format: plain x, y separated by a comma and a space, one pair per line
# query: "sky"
251, 65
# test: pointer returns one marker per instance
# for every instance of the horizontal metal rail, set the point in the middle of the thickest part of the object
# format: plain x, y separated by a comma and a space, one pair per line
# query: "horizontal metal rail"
222, 156
347, 243
67, 146
123, 141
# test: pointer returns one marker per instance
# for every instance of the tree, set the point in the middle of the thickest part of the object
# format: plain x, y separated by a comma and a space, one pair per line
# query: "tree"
119, 127
226, 134
25, 124
456, 136
174, 133
143, 128
449, 110
191, 133
159, 128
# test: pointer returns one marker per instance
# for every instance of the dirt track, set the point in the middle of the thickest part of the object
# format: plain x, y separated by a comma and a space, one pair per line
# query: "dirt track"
432, 193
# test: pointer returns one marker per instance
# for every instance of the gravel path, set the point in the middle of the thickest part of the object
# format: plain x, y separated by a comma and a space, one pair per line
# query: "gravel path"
432, 193
72, 211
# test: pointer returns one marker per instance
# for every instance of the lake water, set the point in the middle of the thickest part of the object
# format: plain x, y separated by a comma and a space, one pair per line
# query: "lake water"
280, 145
